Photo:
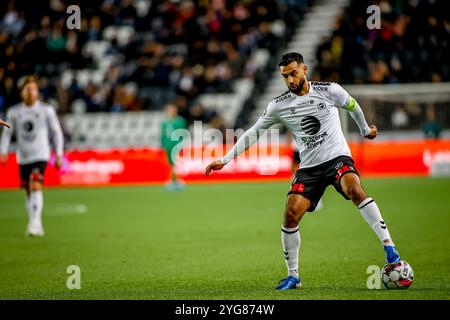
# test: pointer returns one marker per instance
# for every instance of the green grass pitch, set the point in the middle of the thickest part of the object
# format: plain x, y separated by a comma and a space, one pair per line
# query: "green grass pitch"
220, 241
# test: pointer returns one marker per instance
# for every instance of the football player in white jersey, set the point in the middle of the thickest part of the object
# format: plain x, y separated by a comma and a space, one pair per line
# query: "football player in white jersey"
310, 110
31, 121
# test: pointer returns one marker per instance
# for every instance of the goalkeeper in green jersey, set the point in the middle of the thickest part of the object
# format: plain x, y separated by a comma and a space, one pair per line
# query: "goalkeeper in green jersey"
169, 125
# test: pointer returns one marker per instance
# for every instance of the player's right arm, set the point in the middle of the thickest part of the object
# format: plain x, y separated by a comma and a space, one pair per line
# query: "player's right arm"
6, 137
4, 123
247, 140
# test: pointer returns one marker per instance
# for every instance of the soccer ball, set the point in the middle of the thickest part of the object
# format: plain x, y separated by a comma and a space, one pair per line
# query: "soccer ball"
398, 275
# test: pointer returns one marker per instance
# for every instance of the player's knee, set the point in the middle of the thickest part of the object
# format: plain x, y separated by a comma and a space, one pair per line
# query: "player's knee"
292, 214
35, 186
356, 193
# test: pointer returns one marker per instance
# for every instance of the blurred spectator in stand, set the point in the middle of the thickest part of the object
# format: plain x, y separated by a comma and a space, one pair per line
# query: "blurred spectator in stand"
56, 43
411, 46
200, 113
183, 48
399, 118
218, 123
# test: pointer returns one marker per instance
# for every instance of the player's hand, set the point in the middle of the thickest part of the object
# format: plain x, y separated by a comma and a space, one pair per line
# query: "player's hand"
58, 162
4, 123
373, 132
4, 157
215, 165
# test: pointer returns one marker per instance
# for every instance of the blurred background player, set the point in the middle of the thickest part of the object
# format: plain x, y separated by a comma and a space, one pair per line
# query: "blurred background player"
432, 127
31, 122
172, 122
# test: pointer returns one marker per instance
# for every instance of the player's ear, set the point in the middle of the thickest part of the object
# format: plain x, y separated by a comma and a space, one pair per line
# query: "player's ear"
305, 68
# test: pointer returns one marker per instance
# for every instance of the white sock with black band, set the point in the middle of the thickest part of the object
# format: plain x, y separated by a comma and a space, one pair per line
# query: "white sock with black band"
290, 239
370, 212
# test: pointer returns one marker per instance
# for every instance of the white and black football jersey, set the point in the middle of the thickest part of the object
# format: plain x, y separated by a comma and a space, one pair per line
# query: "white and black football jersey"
313, 119
32, 125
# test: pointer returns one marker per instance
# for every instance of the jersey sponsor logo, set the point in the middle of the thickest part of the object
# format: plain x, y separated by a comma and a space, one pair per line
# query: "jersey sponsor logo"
320, 89
312, 142
28, 126
321, 106
28, 134
292, 109
282, 98
338, 165
310, 125
311, 101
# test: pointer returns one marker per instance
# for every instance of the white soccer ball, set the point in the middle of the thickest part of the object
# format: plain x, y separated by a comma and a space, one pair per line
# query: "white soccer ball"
399, 275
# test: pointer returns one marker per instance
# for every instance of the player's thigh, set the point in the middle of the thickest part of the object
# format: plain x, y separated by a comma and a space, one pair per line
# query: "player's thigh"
25, 172
345, 178
309, 184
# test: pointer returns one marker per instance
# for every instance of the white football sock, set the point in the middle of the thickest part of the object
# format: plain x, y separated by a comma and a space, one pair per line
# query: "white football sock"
370, 212
290, 238
36, 202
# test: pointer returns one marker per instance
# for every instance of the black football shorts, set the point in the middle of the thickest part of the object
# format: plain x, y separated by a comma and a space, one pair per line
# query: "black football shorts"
311, 182
37, 169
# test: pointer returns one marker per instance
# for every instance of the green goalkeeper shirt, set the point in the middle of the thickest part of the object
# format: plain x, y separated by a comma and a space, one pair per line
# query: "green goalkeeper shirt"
167, 128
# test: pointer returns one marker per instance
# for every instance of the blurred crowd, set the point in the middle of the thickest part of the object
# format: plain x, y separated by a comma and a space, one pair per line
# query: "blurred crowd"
412, 45
177, 50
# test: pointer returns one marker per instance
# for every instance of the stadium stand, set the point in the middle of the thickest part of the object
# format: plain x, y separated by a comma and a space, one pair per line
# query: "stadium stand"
139, 55
215, 59
412, 44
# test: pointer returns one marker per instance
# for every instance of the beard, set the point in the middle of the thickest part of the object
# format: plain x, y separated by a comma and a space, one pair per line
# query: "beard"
298, 89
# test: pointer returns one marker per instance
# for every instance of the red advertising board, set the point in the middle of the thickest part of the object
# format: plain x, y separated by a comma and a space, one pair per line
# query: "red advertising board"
400, 158
149, 165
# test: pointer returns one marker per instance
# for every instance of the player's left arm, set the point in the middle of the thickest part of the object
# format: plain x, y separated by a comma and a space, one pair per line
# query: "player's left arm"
343, 100
58, 137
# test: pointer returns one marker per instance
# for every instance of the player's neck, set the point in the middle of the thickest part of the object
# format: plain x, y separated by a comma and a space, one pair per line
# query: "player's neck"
305, 88
30, 104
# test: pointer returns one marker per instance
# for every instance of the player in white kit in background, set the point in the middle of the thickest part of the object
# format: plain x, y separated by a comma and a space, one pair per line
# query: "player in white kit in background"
310, 110
31, 121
